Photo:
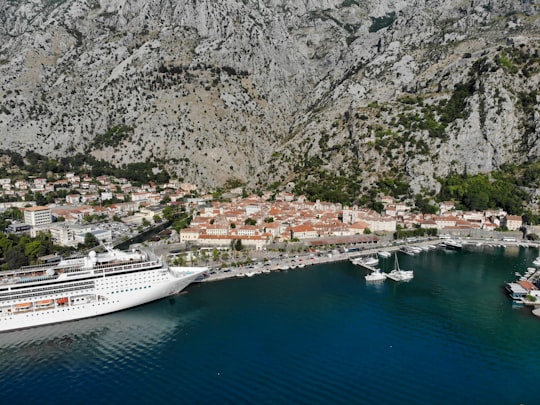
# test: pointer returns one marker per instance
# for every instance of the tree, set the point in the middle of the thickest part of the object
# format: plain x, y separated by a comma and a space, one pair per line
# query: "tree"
15, 258
5, 243
215, 255
157, 219
238, 245
169, 213
40, 199
35, 249
165, 200
250, 221
90, 240
179, 261
423, 205
204, 256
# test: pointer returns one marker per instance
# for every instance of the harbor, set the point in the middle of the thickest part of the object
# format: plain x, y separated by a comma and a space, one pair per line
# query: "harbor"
443, 337
266, 262
524, 291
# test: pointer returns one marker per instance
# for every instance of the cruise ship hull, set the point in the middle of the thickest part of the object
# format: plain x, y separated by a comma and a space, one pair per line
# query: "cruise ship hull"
105, 294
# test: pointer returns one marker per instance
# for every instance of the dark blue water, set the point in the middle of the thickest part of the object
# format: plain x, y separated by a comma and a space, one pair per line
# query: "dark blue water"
313, 336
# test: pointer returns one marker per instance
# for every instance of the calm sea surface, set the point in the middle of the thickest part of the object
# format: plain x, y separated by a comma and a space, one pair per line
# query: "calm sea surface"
318, 335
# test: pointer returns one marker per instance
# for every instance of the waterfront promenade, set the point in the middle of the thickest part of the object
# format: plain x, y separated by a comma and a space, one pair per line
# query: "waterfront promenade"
271, 261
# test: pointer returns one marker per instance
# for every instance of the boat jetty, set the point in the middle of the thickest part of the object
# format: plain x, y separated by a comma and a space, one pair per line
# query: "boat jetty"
369, 263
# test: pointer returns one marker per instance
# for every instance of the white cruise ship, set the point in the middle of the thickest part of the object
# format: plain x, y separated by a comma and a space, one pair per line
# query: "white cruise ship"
97, 284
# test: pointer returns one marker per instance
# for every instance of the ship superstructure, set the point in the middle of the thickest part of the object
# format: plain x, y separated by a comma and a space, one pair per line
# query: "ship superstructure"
82, 287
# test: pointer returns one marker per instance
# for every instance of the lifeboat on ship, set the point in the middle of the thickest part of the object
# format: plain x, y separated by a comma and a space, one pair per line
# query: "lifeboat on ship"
23, 306
44, 303
62, 301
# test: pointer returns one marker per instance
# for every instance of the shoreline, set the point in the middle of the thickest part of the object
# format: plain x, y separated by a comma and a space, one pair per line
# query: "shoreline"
299, 262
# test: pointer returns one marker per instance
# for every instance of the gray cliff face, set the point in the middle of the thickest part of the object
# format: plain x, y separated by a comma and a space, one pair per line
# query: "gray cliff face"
259, 90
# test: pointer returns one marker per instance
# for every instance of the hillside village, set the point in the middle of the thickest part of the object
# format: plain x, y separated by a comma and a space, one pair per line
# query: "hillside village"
112, 209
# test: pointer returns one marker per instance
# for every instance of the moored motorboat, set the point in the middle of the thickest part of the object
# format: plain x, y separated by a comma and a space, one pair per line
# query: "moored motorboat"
367, 261
515, 291
376, 275
452, 244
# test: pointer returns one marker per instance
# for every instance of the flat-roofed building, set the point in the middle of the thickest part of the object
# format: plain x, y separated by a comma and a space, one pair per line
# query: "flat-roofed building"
37, 216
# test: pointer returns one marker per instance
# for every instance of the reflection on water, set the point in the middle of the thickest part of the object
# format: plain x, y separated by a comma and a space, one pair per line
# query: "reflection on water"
119, 335
375, 285
511, 251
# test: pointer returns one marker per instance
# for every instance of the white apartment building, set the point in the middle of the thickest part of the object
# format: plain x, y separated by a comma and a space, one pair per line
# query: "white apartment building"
37, 216
62, 234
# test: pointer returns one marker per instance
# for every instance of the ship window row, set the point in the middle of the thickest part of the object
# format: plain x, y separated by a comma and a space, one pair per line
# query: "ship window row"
40, 294
128, 273
127, 268
54, 287
139, 279
131, 289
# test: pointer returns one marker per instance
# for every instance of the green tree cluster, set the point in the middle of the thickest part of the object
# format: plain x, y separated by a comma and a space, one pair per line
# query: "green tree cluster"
479, 192
21, 250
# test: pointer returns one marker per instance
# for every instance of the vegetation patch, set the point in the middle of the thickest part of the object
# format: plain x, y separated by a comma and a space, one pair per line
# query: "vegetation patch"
479, 192
379, 23
113, 137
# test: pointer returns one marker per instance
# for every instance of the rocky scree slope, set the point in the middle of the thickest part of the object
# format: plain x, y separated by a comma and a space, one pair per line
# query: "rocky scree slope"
284, 92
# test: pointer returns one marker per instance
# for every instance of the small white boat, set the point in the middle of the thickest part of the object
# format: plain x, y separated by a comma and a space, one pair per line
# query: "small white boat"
409, 251
371, 261
365, 261
384, 254
452, 244
377, 275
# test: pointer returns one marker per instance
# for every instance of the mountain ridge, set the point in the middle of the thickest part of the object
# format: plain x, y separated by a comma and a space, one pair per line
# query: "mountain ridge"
275, 92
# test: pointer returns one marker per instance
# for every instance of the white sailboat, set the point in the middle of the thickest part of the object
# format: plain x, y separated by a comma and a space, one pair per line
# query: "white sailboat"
400, 275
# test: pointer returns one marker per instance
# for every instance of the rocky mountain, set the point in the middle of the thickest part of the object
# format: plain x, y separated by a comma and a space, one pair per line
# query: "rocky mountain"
285, 92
